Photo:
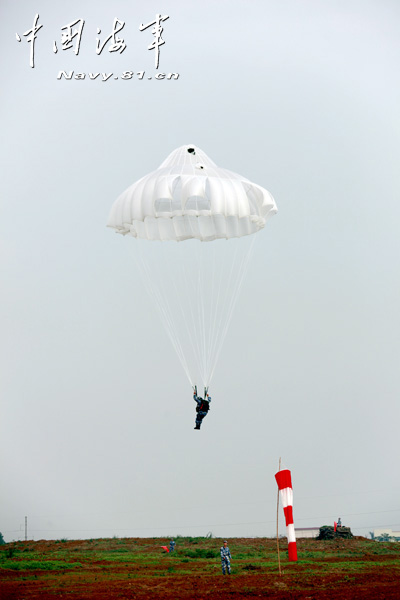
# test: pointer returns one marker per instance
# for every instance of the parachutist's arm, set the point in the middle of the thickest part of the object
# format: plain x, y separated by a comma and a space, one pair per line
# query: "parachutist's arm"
195, 398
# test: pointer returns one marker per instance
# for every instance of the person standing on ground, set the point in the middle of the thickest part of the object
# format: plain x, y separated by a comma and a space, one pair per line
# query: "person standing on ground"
171, 546
225, 558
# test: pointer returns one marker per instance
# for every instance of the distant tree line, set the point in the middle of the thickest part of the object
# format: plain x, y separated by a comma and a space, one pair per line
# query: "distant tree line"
384, 537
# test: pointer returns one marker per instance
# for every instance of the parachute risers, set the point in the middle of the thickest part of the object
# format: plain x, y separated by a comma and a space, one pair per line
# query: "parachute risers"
284, 481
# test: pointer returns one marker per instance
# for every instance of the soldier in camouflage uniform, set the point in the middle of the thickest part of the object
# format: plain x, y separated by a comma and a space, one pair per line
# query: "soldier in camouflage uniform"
202, 407
172, 546
225, 558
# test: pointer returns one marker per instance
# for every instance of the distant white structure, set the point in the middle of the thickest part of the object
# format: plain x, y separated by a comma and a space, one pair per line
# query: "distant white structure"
307, 532
394, 536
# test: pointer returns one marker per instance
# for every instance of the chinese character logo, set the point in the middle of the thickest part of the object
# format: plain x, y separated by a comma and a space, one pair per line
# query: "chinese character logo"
157, 31
71, 35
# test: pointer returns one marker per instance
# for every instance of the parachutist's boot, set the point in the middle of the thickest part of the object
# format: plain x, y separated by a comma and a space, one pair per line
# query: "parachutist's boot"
197, 427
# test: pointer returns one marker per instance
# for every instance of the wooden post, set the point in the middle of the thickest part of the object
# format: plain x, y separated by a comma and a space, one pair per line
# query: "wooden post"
277, 526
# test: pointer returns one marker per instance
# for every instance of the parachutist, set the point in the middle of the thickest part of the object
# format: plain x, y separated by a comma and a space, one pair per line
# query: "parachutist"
203, 406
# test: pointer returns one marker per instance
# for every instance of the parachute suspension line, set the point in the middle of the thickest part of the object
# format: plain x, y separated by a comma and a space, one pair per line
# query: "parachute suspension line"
212, 309
202, 292
229, 288
219, 306
161, 303
168, 322
213, 312
193, 302
163, 307
239, 284
195, 312
189, 302
235, 295
196, 317
196, 309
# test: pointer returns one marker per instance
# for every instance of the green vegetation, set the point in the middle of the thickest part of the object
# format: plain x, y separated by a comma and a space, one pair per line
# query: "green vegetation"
202, 553
10, 551
188, 539
38, 565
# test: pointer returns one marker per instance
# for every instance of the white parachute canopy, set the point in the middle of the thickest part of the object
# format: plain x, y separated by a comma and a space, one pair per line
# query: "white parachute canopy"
194, 285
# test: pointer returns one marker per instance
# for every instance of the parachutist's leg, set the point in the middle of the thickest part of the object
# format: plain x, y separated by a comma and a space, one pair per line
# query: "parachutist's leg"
199, 417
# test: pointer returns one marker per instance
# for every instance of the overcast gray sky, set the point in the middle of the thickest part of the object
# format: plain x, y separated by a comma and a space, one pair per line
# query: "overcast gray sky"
96, 434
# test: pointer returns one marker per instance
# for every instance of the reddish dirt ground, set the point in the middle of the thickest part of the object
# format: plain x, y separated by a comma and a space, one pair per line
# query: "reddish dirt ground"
348, 571
237, 587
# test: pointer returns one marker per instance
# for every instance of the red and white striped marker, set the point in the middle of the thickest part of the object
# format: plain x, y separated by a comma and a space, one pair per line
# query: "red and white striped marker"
284, 481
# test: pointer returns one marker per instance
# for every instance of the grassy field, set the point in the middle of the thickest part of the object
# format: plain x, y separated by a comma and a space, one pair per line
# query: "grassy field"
139, 568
